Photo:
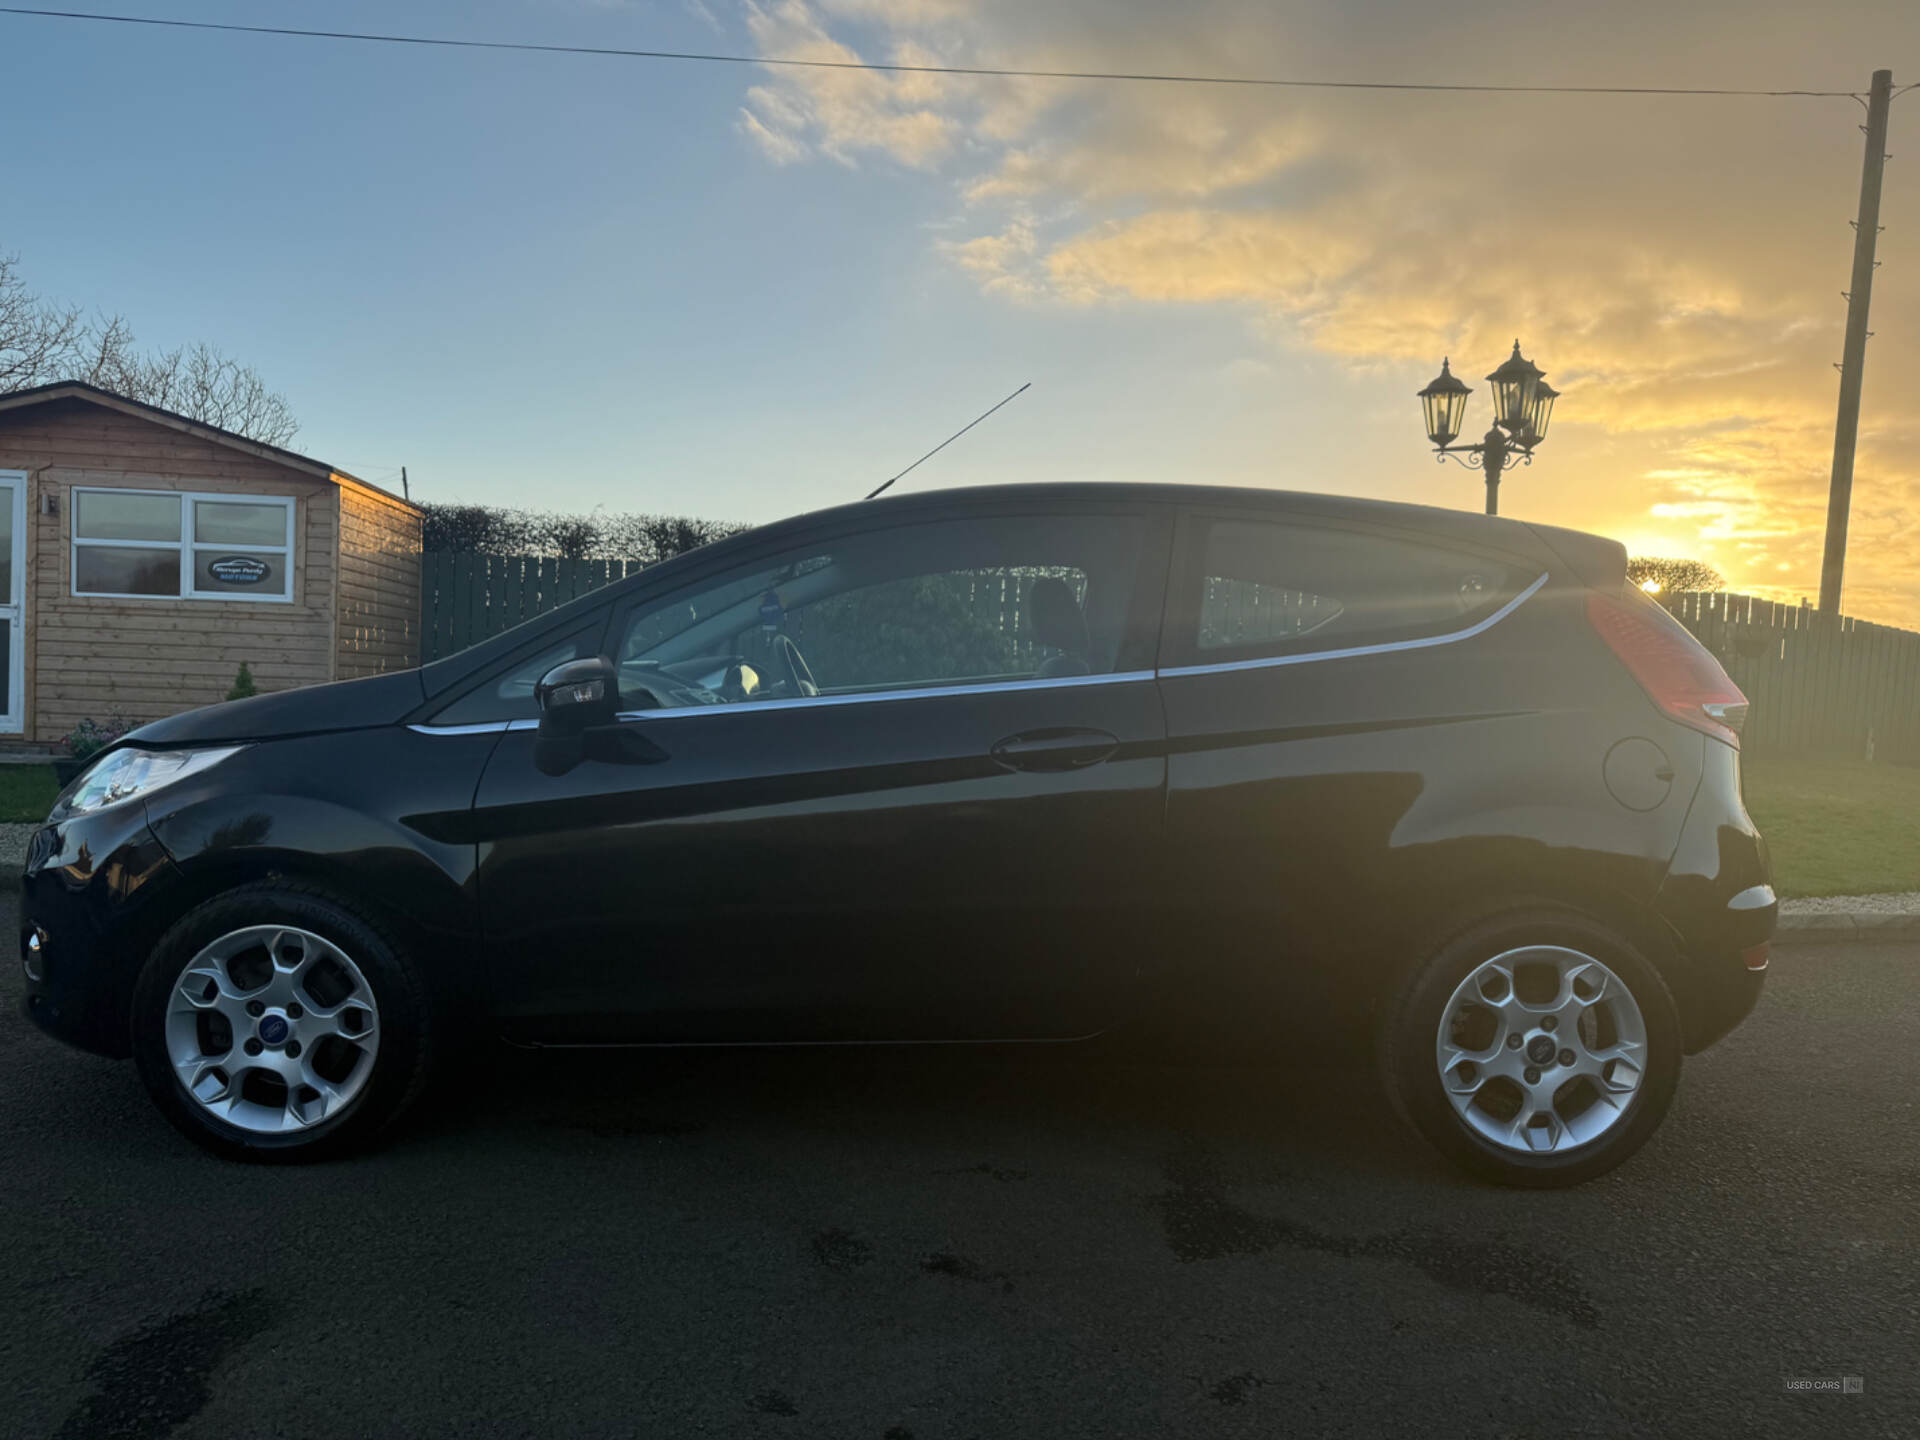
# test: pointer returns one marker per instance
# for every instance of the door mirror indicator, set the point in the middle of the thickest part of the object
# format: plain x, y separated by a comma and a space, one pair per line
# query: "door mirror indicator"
578, 693
574, 697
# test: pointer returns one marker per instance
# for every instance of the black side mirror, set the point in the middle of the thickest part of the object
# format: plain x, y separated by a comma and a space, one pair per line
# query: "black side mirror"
578, 693
574, 697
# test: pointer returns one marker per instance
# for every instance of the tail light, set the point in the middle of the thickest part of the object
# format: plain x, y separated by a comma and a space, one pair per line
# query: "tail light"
1678, 673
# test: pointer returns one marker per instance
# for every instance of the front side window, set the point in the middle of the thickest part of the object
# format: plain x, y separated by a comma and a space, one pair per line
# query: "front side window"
144, 543
954, 603
1272, 588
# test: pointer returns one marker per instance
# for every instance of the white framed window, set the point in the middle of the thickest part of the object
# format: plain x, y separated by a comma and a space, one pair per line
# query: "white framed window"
182, 544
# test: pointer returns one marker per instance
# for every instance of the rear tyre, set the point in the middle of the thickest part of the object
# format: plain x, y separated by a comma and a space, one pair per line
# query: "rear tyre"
1536, 1048
277, 1023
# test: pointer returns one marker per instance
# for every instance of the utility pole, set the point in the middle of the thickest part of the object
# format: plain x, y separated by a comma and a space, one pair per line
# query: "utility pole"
1853, 359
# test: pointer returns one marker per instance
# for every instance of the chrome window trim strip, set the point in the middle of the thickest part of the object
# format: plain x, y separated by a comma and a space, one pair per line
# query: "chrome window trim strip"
1057, 682
1387, 648
998, 687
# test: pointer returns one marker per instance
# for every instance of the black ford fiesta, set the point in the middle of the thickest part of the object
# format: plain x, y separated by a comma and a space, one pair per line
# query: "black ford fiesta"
997, 765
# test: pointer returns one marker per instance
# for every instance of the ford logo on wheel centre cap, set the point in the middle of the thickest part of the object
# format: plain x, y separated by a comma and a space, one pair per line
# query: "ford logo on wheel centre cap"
273, 1029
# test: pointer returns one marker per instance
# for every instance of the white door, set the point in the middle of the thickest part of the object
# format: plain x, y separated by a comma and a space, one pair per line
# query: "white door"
13, 566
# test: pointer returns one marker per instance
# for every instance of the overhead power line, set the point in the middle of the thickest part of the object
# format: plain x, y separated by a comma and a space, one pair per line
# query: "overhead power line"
789, 62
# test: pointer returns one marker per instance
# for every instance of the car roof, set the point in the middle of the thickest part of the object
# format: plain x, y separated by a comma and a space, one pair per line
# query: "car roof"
1595, 559
1468, 526
1137, 492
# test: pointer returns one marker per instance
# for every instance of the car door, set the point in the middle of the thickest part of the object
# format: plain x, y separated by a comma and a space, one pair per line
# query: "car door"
939, 822
1322, 693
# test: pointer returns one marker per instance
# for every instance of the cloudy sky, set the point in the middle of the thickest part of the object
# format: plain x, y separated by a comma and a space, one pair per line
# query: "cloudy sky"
741, 292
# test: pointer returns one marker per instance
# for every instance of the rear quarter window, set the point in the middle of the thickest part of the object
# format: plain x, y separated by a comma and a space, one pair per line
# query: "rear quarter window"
1268, 588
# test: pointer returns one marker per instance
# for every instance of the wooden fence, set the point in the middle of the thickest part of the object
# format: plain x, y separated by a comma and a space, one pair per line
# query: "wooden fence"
1840, 686
466, 598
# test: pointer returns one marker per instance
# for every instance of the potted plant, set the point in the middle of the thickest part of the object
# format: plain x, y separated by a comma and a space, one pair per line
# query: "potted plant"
84, 741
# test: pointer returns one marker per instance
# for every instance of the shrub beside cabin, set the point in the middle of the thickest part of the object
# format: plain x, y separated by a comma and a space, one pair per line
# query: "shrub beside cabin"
144, 556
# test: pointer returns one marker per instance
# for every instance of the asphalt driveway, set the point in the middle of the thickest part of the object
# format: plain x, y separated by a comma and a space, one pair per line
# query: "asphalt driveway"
947, 1243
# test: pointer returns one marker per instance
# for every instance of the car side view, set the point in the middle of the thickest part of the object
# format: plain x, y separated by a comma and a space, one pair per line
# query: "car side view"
1005, 764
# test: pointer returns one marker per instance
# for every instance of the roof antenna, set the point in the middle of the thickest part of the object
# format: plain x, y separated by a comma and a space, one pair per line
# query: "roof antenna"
948, 441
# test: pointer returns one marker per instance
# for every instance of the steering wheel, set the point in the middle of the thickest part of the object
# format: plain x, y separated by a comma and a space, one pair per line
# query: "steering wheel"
799, 677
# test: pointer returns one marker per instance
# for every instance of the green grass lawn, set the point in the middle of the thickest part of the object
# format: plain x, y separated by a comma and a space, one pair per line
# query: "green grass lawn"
26, 792
1836, 827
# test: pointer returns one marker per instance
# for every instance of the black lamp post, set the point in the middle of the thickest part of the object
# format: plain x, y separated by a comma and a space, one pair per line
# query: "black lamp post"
1522, 406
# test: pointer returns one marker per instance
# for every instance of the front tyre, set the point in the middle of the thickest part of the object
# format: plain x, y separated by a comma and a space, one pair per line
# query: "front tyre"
1537, 1048
274, 1022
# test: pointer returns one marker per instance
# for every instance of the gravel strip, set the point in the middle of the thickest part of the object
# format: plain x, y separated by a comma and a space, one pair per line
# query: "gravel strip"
1907, 902
13, 848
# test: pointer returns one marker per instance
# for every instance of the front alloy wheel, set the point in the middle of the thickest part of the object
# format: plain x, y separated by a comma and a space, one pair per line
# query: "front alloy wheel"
273, 1028
278, 1022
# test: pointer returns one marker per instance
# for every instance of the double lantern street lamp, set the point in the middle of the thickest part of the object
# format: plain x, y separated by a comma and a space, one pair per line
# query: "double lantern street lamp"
1522, 405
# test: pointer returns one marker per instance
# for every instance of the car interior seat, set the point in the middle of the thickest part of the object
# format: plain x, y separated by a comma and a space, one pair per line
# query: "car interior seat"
1058, 623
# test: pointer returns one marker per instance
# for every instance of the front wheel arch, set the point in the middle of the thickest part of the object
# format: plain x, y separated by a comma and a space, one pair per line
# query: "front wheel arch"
457, 985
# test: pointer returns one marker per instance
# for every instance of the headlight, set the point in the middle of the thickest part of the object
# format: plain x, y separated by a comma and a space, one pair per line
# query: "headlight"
133, 771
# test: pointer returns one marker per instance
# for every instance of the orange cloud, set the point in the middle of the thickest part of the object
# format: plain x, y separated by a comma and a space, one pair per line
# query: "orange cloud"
1673, 262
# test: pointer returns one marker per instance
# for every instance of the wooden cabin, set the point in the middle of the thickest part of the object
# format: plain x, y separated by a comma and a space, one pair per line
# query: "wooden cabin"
144, 556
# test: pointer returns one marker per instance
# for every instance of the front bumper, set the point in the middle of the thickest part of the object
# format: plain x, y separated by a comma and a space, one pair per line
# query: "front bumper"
89, 883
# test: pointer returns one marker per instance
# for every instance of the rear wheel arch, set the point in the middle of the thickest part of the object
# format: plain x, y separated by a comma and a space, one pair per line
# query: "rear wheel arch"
1637, 921
1473, 898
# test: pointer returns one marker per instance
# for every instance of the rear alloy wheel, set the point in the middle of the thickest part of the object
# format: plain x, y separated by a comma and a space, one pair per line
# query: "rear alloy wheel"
1537, 1049
275, 1023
